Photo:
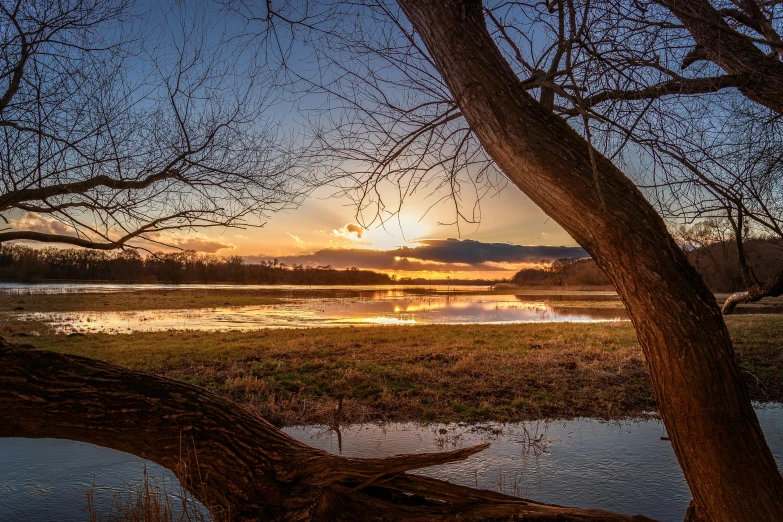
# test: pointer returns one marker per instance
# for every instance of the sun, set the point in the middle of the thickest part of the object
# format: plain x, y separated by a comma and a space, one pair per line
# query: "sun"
404, 230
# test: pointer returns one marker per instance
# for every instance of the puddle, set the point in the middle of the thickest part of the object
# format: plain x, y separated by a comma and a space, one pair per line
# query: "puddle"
47, 480
618, 466
385, 309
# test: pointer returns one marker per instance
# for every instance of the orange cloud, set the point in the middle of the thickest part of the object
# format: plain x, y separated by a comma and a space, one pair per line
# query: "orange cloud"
36, 223
193, 241
349, 231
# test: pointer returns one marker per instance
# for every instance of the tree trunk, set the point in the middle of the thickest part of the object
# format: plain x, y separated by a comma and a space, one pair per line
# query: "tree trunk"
237, 464
714, 430
738, 226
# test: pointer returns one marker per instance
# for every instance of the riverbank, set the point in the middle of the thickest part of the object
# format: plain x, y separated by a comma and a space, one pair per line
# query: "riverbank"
422, 373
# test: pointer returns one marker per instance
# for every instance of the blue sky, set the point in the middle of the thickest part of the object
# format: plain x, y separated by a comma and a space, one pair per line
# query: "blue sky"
324, 223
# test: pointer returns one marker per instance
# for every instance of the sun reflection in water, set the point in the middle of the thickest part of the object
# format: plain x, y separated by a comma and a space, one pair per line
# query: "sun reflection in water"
382, 309
389, 320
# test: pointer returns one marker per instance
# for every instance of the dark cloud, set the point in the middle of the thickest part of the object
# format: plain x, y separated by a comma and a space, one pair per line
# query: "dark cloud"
434, 254
355, 229
472, 252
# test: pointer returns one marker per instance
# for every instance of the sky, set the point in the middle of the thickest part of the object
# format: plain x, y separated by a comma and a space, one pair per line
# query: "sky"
512, 233
325, 230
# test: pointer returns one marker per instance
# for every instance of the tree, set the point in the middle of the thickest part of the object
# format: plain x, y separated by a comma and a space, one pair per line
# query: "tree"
107, 155
236, 463
462, 112
695, 375
119, 129
559, 268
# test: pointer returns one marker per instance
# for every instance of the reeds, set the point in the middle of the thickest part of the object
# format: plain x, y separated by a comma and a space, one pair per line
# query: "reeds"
150, 500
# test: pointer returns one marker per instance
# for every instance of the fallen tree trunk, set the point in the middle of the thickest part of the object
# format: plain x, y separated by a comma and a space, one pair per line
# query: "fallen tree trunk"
772, 288
237, 464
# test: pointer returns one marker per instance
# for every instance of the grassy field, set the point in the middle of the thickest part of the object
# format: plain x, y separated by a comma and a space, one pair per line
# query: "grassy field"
428, 373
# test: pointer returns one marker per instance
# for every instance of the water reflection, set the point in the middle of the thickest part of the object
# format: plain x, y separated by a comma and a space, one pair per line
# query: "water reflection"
46, 480
618, 466
383, 308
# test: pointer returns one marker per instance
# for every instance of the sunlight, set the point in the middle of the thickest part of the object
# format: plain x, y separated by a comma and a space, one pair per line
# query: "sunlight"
405, 231
389, 320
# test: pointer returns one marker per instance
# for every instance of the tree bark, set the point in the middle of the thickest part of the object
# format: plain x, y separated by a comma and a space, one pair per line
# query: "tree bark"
237, 464
714, 431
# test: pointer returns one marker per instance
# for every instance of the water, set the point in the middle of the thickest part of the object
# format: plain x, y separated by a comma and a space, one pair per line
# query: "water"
79, 288
623, 467
387, 307
47, 479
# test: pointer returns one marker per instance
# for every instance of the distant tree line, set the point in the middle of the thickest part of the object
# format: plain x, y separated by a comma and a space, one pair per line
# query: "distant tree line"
709, 245
567, 271
730, 258
25, 264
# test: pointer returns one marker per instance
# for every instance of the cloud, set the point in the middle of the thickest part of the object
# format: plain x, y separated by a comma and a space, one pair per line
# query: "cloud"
193, 241
203, 244
349, 231
36, 223
435, 255
297, 240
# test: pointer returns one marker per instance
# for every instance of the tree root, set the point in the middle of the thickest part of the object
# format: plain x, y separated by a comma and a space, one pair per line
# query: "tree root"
237, 464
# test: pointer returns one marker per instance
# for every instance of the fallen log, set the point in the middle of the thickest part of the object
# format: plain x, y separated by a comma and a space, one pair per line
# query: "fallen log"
772, 288
237, 464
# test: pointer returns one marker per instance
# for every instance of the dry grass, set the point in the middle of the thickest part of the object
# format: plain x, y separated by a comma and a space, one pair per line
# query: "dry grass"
151, 500
431, 373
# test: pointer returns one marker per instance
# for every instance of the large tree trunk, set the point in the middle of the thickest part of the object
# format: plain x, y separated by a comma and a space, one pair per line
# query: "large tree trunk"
714, 430
239, 465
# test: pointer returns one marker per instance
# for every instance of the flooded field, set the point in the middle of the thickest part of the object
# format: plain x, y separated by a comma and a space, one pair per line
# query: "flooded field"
618, 466
303, 313
303, 307
91, 308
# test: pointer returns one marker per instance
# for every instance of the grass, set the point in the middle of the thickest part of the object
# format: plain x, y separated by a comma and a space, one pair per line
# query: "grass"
426, 373
149, 501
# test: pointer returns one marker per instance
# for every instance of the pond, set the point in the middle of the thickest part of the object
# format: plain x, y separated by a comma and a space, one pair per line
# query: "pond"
618, 466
